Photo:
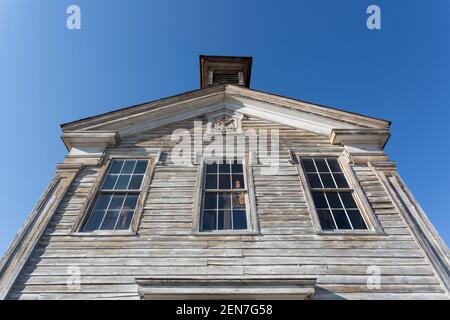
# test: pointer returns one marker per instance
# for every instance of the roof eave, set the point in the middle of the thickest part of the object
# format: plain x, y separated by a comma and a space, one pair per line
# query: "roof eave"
230, 89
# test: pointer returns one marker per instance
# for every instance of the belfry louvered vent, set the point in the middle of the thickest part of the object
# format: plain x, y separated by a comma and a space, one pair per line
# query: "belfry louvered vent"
219, 70
225, 77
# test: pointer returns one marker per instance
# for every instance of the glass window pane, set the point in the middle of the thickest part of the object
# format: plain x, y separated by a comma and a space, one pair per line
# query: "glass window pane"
116, 165
239, 220
334, 165
211, 168
347, 199
224, 200
102, 201
116, 202
356, 219
236, 167
319, 200
227, 220
210, 200
209, 220
108, 207
122, 183
224, 168
220, 221
136, 181
128, 167
224, 220
327, 180
326, 221
314, 181
341, 219
308, 164
110, 220
238, 200
211, 181
238, 181
141, 166
110, 181
340, 180
321, 165
125, 218
130, 201
224, 181
94, 220
333, 200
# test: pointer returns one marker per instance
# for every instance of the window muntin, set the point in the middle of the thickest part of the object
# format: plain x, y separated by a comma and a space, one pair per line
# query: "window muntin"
224, 196
332, 196
116, 201
125, 175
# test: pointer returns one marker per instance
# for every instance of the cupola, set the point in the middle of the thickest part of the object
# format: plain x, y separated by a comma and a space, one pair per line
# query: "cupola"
215, 70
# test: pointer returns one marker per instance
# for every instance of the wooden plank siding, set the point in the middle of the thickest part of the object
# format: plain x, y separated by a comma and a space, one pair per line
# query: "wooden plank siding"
286, 244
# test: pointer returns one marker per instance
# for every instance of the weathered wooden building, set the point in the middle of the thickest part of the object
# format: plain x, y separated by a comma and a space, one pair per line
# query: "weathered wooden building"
226, 192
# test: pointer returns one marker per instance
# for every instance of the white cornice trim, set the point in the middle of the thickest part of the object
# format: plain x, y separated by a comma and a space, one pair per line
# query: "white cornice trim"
90, 138
159, 109
323, 111
377, 137
293, 118
129, 112
175, 116
300, 114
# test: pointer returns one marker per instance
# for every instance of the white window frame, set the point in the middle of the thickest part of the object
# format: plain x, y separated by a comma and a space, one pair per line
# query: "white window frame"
250, 202
373, 226
77, 229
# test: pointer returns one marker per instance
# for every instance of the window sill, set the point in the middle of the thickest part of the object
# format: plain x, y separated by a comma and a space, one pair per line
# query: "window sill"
351, 233
117, 233
225, 233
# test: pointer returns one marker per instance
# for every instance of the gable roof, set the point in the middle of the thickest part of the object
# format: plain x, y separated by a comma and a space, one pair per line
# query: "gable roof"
286, 102
339, 125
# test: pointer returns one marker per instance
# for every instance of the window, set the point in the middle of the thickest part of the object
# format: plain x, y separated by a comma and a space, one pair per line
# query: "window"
332, 196
224, 196
116, 201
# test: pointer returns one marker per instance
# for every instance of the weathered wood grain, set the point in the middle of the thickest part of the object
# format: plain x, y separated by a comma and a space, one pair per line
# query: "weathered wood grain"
287, 243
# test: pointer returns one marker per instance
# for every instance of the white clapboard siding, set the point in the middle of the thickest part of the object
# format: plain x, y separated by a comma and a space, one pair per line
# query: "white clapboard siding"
287, 243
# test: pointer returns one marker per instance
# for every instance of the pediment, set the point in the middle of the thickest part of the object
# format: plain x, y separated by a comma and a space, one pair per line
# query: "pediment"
232, 99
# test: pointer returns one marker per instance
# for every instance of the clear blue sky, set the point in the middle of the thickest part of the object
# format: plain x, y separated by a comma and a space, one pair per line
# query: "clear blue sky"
129, 52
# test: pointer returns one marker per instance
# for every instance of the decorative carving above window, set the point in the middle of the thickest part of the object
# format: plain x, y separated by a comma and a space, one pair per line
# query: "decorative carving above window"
225, 123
